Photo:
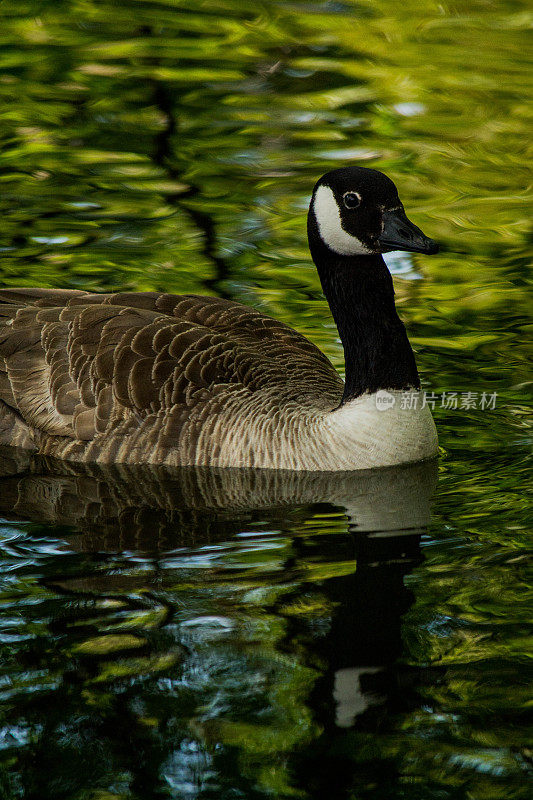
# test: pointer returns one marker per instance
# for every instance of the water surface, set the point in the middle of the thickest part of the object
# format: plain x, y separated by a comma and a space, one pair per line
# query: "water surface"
198, 635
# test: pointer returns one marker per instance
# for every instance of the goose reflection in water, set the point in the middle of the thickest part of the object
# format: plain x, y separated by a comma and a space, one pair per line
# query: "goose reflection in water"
175, 522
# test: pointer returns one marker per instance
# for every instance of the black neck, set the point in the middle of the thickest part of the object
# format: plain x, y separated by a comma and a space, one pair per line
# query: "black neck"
360, 294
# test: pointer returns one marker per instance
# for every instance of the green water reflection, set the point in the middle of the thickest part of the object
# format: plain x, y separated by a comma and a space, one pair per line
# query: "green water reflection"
156, 648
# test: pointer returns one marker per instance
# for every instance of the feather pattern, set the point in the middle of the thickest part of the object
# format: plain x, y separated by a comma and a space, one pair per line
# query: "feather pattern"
159, 378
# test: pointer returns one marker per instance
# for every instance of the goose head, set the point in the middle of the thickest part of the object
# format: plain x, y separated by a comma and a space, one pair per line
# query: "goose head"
356, 211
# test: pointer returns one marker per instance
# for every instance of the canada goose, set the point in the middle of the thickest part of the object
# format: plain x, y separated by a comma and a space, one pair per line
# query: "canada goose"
169, 379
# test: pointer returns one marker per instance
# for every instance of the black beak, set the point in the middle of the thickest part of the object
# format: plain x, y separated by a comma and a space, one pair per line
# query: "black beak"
399, 233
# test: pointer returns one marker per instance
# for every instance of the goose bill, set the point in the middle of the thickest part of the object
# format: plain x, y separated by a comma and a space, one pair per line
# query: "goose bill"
399, 233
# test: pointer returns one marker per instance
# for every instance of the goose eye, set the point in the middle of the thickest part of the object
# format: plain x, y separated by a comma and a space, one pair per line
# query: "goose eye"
352, 199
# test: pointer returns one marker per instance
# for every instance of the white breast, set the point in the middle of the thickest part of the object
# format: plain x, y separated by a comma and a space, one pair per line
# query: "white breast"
367, 432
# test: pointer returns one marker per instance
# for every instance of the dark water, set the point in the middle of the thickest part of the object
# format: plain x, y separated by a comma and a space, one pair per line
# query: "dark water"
233, 635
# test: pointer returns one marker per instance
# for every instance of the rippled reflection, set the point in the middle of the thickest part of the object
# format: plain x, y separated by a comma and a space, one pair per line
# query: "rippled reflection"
200, 658
210, 632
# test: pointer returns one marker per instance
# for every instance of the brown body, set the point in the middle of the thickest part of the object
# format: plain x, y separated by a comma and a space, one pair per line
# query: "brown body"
157, 378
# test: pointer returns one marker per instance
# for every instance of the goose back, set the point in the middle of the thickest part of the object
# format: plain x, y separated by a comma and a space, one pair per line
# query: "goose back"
148, 377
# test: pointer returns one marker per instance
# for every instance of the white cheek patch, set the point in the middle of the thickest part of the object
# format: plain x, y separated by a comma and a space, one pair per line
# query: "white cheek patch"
329, 223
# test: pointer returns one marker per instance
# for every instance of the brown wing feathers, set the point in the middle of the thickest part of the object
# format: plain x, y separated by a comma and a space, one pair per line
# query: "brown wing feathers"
75, 364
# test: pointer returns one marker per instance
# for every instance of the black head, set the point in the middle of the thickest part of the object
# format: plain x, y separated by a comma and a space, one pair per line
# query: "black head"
356, 211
